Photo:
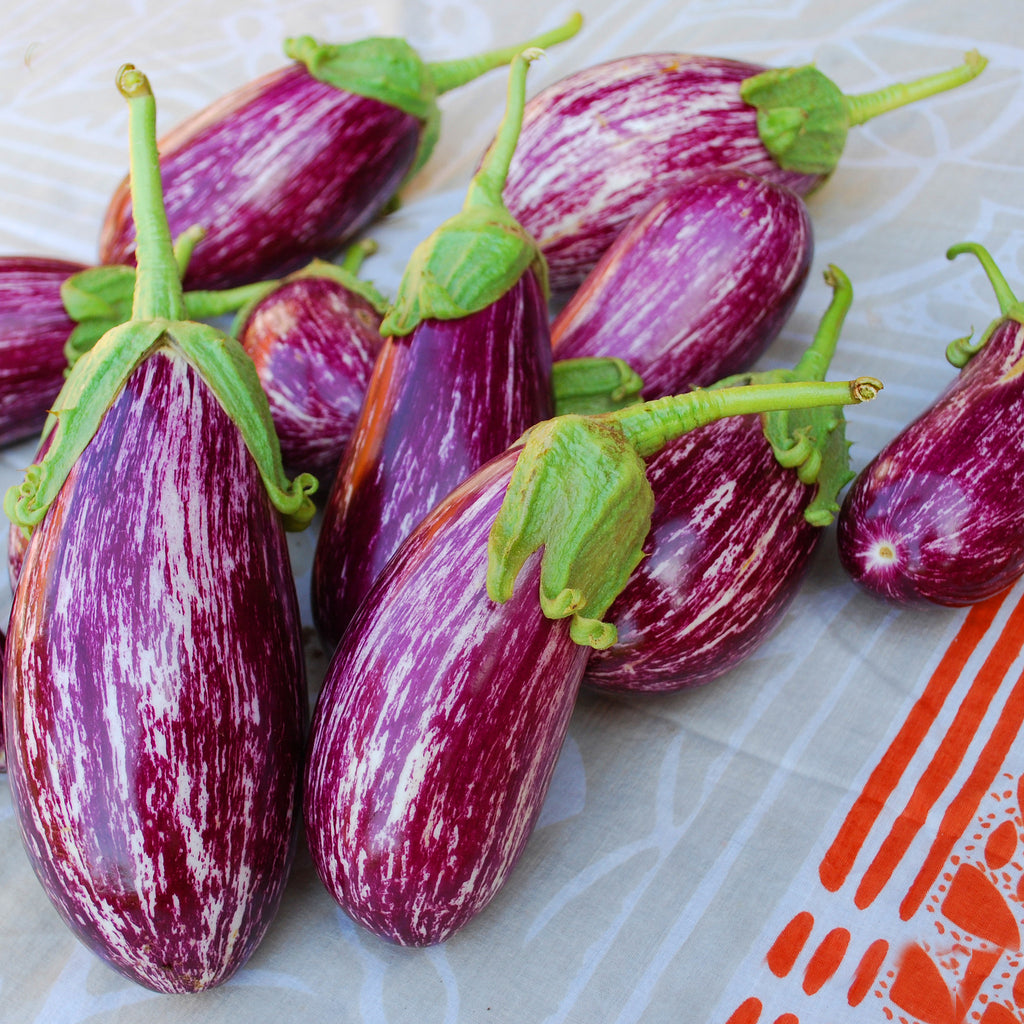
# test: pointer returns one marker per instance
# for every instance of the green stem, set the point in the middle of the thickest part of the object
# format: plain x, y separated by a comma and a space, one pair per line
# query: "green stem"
158, 292
355, 255
450, 74
205, 305
814, 363
865, 106
1008, 302
489, 181
649, 427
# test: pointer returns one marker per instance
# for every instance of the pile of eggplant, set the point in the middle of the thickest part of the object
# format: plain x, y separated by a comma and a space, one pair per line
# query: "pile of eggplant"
516, 494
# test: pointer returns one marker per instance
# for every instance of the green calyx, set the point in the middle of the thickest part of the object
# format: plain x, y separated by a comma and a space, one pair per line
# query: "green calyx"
959, 352
475, 257
388, 69
157, 322
803, 117
594, 384
579, 490
812, 441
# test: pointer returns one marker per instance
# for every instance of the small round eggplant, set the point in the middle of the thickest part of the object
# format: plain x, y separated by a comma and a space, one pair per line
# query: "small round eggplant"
314, 340
295, 163
739, 507
696, 288
601, 145
936, 516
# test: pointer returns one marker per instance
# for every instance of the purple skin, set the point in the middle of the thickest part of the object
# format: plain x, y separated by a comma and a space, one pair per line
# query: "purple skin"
727, 550
154, 691
936, 516
3, 751
335, 160
435, 735
441, 402
598, 147
698, 286
34, 328
314, 343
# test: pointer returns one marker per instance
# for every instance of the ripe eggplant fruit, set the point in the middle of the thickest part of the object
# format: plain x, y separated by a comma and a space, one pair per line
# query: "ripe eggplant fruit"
154, 687
698, 286
314, 339
446, 703
739, 507
464, 369
935, 516
292, 165
599, 146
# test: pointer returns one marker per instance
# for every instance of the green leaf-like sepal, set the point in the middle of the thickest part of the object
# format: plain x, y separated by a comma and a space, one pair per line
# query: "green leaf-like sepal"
97, 299
594, 384
579, 490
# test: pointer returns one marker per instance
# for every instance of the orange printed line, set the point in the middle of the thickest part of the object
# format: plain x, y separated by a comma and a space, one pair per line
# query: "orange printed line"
826, 959
788, 945
838, 860
945, 762
748, 1012
867, 970
965, 805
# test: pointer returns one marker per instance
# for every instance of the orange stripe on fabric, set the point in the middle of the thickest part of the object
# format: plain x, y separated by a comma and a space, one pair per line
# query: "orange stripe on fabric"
838, 860
826, 959
965, 805
867, 970
748, 1012
788, 945
946, 761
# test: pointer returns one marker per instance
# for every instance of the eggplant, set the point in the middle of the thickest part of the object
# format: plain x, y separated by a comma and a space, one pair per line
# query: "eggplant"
3, 750
154, 688
447, 700
739, 508
314, 339
295, 163
698, 286
599, 146
464, 369
935, 516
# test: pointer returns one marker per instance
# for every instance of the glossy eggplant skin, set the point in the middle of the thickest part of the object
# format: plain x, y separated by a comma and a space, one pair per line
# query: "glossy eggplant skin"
34, 328
728, 549
281, 170
438, 728
599, 146
698, 286
314, 343
154, 690
441, 402
936, 516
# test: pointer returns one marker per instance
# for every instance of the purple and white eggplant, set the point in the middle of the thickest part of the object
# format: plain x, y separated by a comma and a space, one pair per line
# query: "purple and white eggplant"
696, 288
739, 507
601, 145
446, 703
464, 369
314, 340
154, 688
292, 165
936, 515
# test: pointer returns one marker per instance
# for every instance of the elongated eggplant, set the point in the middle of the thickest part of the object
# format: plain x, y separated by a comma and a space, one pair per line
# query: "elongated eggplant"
154, 689
465, 368
601, 145
446, 703
739, 507
935, 515
292, 165
696, 288
314, 340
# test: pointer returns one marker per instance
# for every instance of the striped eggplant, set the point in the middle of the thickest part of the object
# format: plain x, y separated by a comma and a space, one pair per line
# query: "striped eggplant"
739, 508
698, 286
464, 369
447, 700
601, 145
314, 340
293, 164
3, 750
935, 516
154, 690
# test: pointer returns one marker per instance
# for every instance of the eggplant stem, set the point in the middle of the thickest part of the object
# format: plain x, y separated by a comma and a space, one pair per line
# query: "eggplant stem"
649, 427
450, 74
356, 254
1004, 296
814, 363
864, 106
158, 292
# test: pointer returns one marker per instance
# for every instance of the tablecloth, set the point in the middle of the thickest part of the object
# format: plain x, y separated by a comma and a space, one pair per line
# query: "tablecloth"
833, 830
